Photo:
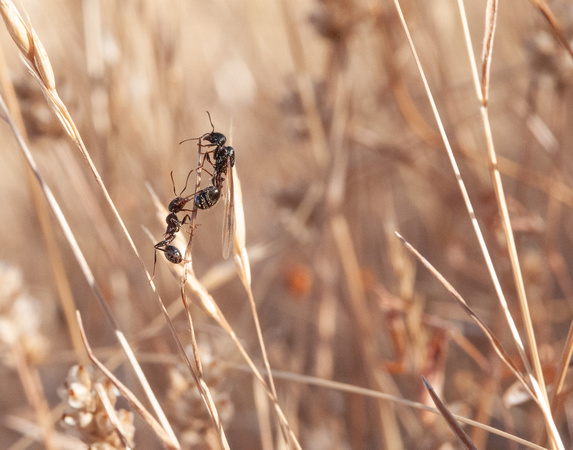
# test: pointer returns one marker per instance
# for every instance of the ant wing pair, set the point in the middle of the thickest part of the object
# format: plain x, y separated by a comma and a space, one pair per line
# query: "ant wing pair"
229, 217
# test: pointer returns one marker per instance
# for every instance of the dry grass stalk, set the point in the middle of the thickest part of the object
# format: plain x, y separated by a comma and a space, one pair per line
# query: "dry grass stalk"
210, 306
539, 385
48, 230
207, 302
35, 57
375, 394
80, 258
491, 17
197, 370
533, 383
120, 429
338, 296
490, 335
243, 267
129, 396
482, 96
528, 382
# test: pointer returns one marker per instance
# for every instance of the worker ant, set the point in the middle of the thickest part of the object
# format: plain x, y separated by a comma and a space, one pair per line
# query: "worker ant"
203, 199
172, 253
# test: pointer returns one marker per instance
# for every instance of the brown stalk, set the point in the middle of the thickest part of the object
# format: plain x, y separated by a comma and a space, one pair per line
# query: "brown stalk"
197, 370
370, 393
465, 440
489, 334
490, 27
491, 17
242, 265
207, 302
553, 23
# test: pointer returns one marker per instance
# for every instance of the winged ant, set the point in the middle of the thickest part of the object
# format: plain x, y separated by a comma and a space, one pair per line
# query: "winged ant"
224, 157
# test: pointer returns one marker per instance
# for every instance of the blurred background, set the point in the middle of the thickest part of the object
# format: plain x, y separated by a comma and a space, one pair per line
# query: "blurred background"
336, 148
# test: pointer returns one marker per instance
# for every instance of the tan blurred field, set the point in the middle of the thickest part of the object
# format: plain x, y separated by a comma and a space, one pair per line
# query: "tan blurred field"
336, 149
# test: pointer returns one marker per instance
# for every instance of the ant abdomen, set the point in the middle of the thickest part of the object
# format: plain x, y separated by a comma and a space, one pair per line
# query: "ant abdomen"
206, 198
172, 254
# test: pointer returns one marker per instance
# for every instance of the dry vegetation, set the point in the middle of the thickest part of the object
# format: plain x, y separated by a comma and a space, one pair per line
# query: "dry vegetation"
337, 149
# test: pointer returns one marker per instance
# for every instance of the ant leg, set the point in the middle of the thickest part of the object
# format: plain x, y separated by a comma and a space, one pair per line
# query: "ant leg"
187, 217
172, 254
160, 245
154, 262
209, 173
206, 157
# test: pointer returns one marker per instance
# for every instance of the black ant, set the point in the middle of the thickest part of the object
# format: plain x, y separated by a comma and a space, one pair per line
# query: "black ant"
172, 253
224, 157
204, 199
214, 138
221, 154
224, 160
178, 203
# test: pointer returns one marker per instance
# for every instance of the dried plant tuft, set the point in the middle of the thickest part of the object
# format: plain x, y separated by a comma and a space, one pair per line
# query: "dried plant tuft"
85, 412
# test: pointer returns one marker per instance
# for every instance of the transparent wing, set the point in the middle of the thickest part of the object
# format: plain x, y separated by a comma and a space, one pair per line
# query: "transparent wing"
229, 218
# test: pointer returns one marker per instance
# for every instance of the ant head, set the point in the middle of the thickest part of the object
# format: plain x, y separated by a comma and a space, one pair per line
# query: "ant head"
214, 138
177, 203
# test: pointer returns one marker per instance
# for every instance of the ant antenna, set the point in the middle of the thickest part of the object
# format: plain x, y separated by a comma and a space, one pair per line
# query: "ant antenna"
196, 139
186, 182
173, 184
190, 139
211, 122
185, 187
